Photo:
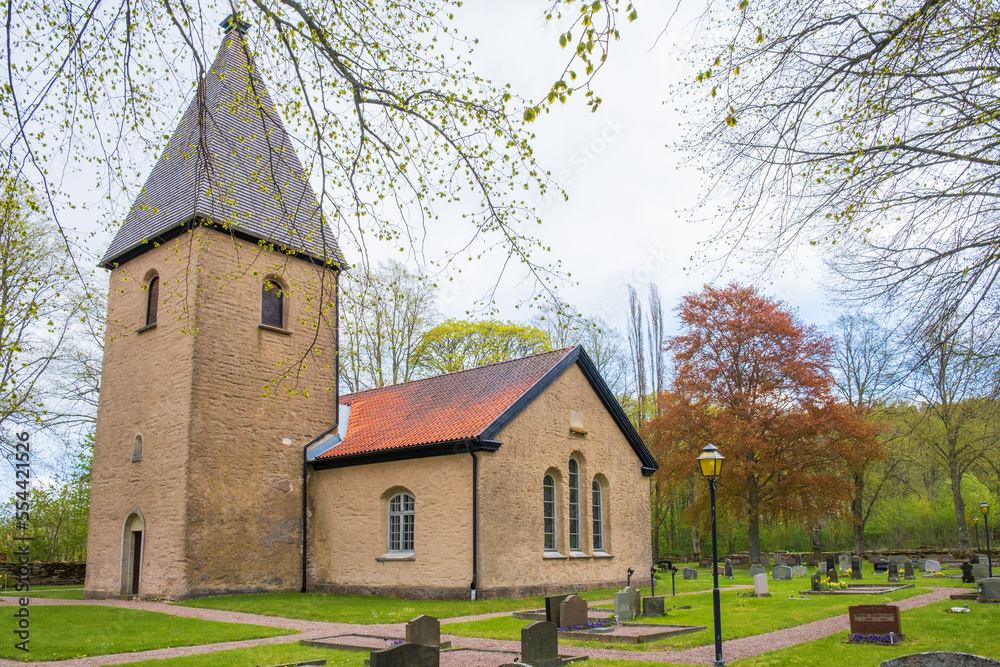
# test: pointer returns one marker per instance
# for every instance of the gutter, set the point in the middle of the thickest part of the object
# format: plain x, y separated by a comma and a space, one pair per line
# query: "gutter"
475, 524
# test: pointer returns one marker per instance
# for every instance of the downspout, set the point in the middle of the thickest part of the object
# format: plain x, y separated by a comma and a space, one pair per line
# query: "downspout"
475, 524
305, 450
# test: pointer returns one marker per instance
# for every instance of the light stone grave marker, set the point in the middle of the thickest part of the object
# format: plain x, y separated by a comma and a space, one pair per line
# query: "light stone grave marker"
760, 586
931, 566
756, 569
799, 571
845, 562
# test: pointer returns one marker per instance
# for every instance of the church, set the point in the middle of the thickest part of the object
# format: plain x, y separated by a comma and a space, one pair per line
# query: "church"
225, 459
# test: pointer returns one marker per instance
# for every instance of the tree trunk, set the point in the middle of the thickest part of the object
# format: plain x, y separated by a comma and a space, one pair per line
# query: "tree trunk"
858, 514
816, 537
695, 533
956, 494
753, 516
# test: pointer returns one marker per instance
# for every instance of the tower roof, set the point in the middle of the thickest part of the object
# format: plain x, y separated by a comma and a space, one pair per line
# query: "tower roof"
230, 164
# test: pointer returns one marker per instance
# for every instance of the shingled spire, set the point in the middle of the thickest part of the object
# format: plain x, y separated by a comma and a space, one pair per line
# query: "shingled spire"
229, 164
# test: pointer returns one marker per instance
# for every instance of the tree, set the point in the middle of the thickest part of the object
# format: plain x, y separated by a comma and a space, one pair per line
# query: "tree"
385, 314
867, 131
955, 425
36, 311
753, 380
457, 345
867, 374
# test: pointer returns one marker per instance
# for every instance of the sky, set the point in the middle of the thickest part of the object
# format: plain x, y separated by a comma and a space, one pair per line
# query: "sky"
626, 221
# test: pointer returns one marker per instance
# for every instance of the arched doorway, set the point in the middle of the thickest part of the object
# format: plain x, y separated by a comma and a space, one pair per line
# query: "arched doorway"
132, 544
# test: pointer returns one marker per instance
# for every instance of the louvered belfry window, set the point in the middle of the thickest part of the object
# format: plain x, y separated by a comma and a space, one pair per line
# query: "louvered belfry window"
272, 305
152, 300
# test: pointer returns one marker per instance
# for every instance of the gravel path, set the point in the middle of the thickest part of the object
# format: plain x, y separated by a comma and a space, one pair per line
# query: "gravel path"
703, 655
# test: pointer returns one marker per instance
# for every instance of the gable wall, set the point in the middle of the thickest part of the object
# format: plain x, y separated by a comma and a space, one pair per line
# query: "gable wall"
512, 556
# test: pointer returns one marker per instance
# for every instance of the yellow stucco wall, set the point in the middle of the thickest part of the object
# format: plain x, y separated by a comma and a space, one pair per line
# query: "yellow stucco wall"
220, 483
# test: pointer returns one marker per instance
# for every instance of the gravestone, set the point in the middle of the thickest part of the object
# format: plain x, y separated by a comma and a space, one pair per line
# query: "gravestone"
931, 566
967, 577
760, 586
980, 571
908, 570
635, 598
552, 603
779, 558
814, 581
822, 568
573, 612
874, 619
624, 611
407, 655
424, 630
799, 571
690, 573
989, 590
845, 562
539, 643
756, 569
781, 573
855, 567
894, 572
941, 659
921, 562
832, 574
798, 560
655, 606
831, 564
729, 568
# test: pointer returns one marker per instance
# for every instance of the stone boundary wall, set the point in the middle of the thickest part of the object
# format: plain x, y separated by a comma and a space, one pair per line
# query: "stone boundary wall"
55, 573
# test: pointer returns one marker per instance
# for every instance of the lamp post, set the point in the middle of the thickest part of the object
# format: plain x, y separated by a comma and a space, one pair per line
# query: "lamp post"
710, 461
985, 508
975, 522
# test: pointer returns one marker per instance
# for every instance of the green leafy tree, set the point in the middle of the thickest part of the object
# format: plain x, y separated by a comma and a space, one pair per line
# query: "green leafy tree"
865, 130
456, 345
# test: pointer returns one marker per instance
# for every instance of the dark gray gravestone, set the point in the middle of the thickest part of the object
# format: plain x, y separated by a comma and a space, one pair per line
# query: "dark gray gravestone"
874, 619
845, 562
967, 577
573, 612
814, 581
552, 603
424, 630
729, 568
781, 573
907, 570
831, 564
832, 573
636, 599
989, 590
407, 655
756, 569
690, 573
980, 571
893, 573
798, 560
822, 568
655, 606
941, 659
855, 567
539, 643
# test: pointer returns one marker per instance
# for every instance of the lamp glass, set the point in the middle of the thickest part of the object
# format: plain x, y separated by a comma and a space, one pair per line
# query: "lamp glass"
710, 461
984, 507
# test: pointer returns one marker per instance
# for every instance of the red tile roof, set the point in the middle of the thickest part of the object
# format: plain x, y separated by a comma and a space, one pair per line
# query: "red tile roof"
445, 408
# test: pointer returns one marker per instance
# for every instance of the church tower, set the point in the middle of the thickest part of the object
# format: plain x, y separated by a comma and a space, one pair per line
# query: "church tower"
220, 358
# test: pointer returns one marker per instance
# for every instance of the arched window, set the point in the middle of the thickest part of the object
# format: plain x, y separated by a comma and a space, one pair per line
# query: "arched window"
401, 523
574, 505
272, 305
598, 514
152, 300
137, 448
549, 511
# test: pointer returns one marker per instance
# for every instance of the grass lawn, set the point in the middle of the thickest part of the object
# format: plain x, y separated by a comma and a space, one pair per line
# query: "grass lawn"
926, 628
60, 632
74, 592
741, 616
368, 609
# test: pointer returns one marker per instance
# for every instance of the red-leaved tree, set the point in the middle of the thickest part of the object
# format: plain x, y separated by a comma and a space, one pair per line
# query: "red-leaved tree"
753, 380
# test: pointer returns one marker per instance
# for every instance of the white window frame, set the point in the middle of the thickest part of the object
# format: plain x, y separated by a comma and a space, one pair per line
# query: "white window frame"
400, 537
574, 505
597, 513
549, 513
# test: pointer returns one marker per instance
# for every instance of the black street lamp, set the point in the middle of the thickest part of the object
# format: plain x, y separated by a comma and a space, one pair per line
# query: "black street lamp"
710, 461
985, 508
